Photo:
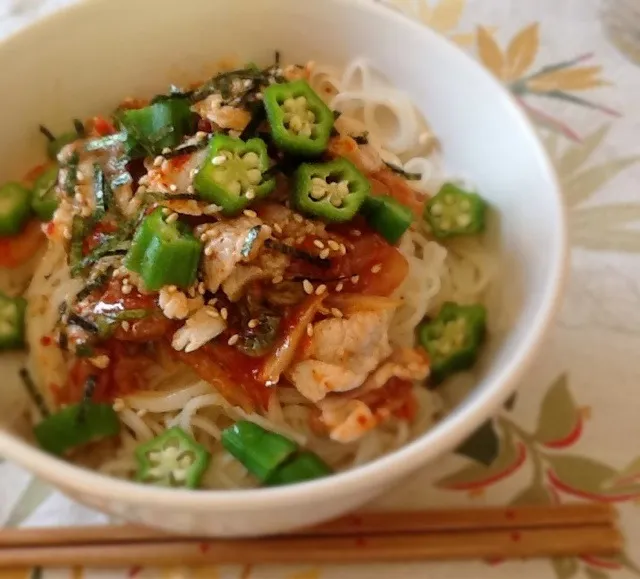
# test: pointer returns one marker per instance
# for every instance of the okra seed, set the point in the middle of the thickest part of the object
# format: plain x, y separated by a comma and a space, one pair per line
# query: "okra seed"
235, 187
449, 200
463, 220
305, 131
445, 224
436, 209
301, 101
251, 159
318, 181
335, 201
289, 104
296, 124
465, 205
254, 176
250, 194
219, 160
343, 188
318, 193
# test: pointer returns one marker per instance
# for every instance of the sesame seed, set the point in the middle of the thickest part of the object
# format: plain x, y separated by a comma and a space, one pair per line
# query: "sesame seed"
356, 232
250, 194
192, 292
224, 313
336, 312
321, 289
125, 326
277, 279
250, 213
79, 175
158, 161
339, 287
309, 329
333, 245
233, 339
211, 312
297, 218
324, 254
211, 209
376, 268
307, 286
172, 288
165, 167
173, 187
277, 228
190, 189
193, 173
355, 278
201, 288
118, 404
126, 289
343, 249
212, 302
172, 218
219, 160
204, 237
141, 412
208, 251
166, 211
318, 244
253, 323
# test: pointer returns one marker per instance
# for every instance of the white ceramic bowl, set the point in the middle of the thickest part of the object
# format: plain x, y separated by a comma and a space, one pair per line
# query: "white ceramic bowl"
84, 59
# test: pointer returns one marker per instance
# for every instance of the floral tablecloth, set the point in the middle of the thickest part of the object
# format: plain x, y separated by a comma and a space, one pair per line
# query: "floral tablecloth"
573, 431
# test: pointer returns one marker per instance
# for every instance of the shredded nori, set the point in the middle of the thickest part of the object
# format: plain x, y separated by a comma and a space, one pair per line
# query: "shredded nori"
405, 174
32, 389
47, 133
84, 323
78, 125
298, 253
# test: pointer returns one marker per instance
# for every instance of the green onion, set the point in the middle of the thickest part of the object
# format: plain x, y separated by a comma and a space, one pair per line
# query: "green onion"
65, 430
259, 450
305, 466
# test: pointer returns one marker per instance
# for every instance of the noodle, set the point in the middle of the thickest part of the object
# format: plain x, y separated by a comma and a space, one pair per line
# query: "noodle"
462, 272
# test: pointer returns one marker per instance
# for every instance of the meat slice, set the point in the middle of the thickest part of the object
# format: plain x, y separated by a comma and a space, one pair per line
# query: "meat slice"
341, 354
228, 244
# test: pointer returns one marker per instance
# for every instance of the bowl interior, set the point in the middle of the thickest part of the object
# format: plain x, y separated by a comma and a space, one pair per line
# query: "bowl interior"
85, 60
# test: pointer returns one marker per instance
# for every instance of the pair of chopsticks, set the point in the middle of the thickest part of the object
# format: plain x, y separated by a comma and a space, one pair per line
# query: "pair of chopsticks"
487, 533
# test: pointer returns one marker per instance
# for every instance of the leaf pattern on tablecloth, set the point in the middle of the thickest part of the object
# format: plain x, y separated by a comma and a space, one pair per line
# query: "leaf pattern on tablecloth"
442, 15
556, 474
34, 494
555, 81
599, 226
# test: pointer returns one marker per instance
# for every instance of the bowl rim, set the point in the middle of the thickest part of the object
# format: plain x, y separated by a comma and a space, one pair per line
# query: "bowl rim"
436, 441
